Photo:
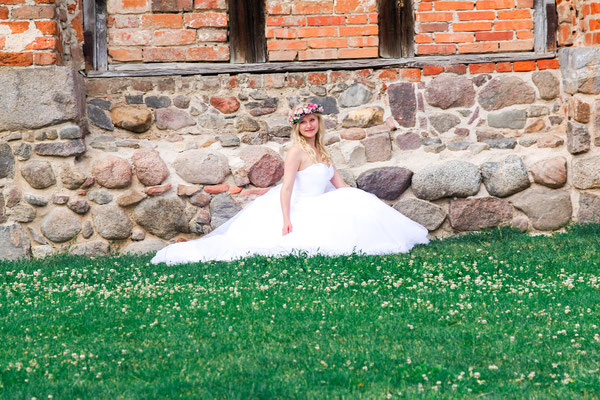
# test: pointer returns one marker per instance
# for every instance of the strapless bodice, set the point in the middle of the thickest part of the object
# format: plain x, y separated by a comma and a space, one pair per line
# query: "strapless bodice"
313, 180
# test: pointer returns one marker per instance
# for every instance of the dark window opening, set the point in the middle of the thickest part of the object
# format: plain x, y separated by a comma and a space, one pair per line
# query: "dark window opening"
247, 39
396, 29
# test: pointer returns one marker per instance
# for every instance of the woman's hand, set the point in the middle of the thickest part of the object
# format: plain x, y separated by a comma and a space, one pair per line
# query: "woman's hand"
287, 228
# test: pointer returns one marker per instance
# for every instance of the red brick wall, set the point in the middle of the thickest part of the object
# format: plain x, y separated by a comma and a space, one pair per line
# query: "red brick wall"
481, 26
167, 31
29, 33
321, 30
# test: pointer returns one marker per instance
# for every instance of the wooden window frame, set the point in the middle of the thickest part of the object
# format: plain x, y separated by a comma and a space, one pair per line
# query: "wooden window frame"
96, 52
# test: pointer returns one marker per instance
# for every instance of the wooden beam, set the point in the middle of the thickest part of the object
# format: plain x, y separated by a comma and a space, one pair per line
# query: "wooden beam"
551, 25
540, 27
164, 69
89, 33
101, 36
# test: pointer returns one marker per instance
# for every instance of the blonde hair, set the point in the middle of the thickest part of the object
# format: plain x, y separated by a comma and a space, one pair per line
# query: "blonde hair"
300, 140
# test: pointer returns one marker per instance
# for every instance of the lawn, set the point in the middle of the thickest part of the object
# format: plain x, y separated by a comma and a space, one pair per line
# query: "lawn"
493, 315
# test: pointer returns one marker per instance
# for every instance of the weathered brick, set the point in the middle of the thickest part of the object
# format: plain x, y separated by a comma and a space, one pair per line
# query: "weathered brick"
481, 68
491, 36
476, 15
174, 38
323, 20
432, 70
494, 4
44, 43
366, 52
17, 26
436, 49
312, 7
459, 69
162, 21
454, 5
47, 27
327, 31
357, 19
317, 78
154, 54
275, 7
435, 17
327, 43
504, 67
454, 37
366, 30
125, 54
364, 41
286, 21
433, 27
47, 59
171, 5
33, 12
208, 53
515, 14
283, 55
513, 25
354, 6
472, 26
16, 59
423, 38
130, 37
486, 47
200, 20
287, 45
128, 6
317, 54
517, 45
3, 12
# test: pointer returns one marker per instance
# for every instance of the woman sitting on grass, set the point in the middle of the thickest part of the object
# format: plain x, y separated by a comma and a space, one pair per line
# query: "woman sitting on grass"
312, 212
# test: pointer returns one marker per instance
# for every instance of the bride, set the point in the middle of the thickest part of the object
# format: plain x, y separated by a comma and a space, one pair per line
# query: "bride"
313, 212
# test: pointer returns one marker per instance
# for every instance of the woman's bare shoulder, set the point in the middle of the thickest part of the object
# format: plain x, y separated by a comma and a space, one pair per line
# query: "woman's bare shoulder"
295, 151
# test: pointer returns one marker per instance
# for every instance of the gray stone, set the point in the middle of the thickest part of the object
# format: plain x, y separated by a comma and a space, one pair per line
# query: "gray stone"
589, 208
353, 134
555, 120
36, 236
378, 147
229, 140
38, 174
211, 122
43, 251
35, 200
452, 178
14, 243
71, 177
279, 127
435, 148
70, 132
101, 103
443, 122
7, 161
431, 141
181, 101
61, 225
37, 97
505, 91
528, 141
585, 172
112, 172
23, 151
87, 230
348, 177
60, 149
12, 196
150, 246
409, 141
446, 91
173, 118
329, 104
580, 68
138, 234
387, 183
130, 198
548, 85
222, 208
246, 124
501, 179
353, 153
479, 213
425, 213
480, 80
90, 249
458, 146
255, 138
580, 110
484, 134
60, 199
511, 119
111, 222
157, 101
537, 111
357, 94
104, 142
258, 108
162, 216
136, 119
403, 103
79, 206
476, 148
150, 169
201, 166
139, 99
504, 143
578, 138
22, 213
550, 141
547, 209
100, 196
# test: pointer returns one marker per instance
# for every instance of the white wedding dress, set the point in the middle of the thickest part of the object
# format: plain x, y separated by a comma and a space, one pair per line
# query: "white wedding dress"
325, 220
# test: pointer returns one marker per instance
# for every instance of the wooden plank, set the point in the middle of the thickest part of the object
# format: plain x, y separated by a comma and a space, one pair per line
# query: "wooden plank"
101, 36
539, 26
396, 28
552, 25
89, 33
247, 41
163, 69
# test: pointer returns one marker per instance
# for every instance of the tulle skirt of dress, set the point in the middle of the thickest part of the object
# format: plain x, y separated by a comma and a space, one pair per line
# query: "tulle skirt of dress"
337, 222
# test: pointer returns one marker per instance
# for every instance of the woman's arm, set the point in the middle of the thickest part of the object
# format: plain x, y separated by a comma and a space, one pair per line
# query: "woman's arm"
337, 180
293, 159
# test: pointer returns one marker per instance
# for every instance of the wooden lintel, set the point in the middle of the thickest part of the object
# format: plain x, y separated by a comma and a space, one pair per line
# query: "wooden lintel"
165, 69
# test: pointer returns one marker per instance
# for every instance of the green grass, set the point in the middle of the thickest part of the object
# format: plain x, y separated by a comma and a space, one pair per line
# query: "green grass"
493, 315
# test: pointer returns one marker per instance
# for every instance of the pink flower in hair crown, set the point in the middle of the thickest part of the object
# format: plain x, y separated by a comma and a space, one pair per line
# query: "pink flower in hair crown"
304, 110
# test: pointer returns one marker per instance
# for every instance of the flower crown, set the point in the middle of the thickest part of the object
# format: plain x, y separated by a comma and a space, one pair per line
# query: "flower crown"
304, 110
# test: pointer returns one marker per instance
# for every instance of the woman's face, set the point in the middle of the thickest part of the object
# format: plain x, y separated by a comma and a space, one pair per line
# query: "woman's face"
309, 125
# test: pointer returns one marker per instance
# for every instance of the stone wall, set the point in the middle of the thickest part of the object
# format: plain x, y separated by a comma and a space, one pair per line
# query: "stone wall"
155, 160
